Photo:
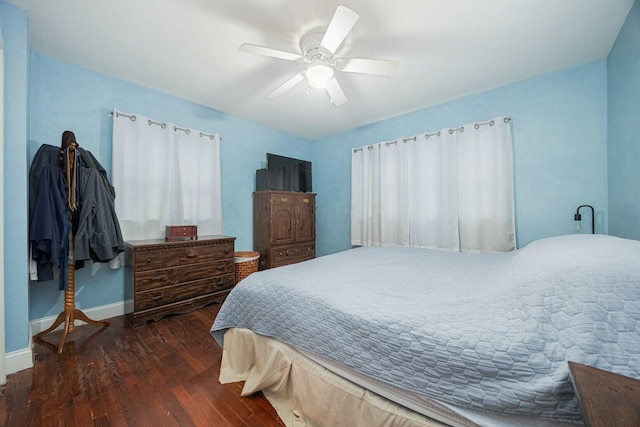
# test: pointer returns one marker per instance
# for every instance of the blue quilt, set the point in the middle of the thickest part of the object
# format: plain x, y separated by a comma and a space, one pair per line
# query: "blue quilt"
491, 332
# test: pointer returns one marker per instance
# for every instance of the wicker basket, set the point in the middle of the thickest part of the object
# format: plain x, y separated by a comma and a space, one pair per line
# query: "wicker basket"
246, 263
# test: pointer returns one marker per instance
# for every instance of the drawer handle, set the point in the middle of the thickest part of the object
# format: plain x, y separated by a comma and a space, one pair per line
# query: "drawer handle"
157, 279
148, 260
226, 251
192, 255
222, 267
157, 297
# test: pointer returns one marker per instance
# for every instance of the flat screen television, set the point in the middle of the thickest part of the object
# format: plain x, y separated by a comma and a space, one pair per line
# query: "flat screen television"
285, 173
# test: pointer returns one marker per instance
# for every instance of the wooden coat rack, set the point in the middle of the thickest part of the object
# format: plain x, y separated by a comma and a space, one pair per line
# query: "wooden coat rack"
70, 313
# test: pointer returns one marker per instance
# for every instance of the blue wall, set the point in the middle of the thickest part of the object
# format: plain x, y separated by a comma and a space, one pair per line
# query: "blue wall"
560, 153
559, 135
14, 27
623, 70
64, 96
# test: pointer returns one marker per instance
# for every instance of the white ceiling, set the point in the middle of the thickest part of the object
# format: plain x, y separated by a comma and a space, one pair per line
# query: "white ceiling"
447, 49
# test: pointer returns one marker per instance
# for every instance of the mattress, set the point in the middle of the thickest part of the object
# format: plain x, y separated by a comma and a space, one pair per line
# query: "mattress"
487, 333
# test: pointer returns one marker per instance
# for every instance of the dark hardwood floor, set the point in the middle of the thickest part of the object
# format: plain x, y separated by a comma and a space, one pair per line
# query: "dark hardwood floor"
162, 374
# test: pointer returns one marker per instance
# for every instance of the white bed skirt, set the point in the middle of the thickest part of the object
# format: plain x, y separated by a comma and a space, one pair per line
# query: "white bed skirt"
302, 392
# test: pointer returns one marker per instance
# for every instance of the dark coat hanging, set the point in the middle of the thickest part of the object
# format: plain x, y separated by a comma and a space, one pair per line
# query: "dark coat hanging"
93, 224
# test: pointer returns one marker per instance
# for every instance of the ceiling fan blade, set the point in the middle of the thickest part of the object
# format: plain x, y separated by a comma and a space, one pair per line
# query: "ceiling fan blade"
286, 86
378, 67
342, 22
336, 93
267, 51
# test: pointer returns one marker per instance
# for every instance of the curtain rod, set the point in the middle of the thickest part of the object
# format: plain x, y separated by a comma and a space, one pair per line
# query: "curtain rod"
163, 125
427, 135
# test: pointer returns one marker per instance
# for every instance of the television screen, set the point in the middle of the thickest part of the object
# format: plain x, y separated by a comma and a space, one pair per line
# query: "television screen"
288, 174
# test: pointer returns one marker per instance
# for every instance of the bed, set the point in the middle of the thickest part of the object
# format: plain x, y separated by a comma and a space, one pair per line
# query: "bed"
410, 336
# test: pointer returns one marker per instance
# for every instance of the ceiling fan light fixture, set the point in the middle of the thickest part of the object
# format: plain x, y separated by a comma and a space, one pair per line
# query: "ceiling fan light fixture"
319, 75
318, 49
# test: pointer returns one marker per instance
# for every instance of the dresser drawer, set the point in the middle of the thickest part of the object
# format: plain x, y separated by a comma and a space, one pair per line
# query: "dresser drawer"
180, 292
152, 258
146, 280
291, 254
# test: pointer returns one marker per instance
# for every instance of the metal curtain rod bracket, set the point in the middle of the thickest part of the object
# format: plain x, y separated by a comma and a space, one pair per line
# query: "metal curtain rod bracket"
153, 122
427, 135
490, 123
185, 130
208, 135
131, 117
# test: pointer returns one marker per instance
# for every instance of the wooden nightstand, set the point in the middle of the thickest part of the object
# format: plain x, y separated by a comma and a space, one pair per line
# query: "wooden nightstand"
606, 399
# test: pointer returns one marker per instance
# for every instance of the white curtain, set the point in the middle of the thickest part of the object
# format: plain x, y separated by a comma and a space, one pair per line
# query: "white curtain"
485, 187
378, 216
164, 175
200, 184
451, 189
433, 207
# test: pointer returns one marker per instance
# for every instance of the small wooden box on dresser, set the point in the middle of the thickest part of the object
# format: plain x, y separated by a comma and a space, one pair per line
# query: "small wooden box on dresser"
170, 277
284, 227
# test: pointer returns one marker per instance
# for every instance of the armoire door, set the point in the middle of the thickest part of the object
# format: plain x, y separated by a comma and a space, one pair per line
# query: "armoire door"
282, 217
305, 218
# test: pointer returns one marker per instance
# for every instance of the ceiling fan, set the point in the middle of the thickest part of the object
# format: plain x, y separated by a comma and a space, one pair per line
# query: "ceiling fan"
318, 51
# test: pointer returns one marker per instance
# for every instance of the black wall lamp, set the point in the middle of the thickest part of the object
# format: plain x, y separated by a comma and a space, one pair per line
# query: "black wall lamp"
578, 218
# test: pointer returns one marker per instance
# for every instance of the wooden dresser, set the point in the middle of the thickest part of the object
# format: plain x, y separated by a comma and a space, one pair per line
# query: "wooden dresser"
284, 227
177, 276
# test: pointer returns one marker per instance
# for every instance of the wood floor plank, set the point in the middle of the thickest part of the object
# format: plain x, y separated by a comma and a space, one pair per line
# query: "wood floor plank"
202, 415
164, 373
34, 409
18, 399
81, 411
97, 405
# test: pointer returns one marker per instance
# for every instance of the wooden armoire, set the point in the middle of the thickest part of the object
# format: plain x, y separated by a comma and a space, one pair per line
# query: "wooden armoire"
284, 227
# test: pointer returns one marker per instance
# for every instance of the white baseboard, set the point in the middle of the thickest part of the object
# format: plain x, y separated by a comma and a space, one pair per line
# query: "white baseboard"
23, 359
97, 313
18, 360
